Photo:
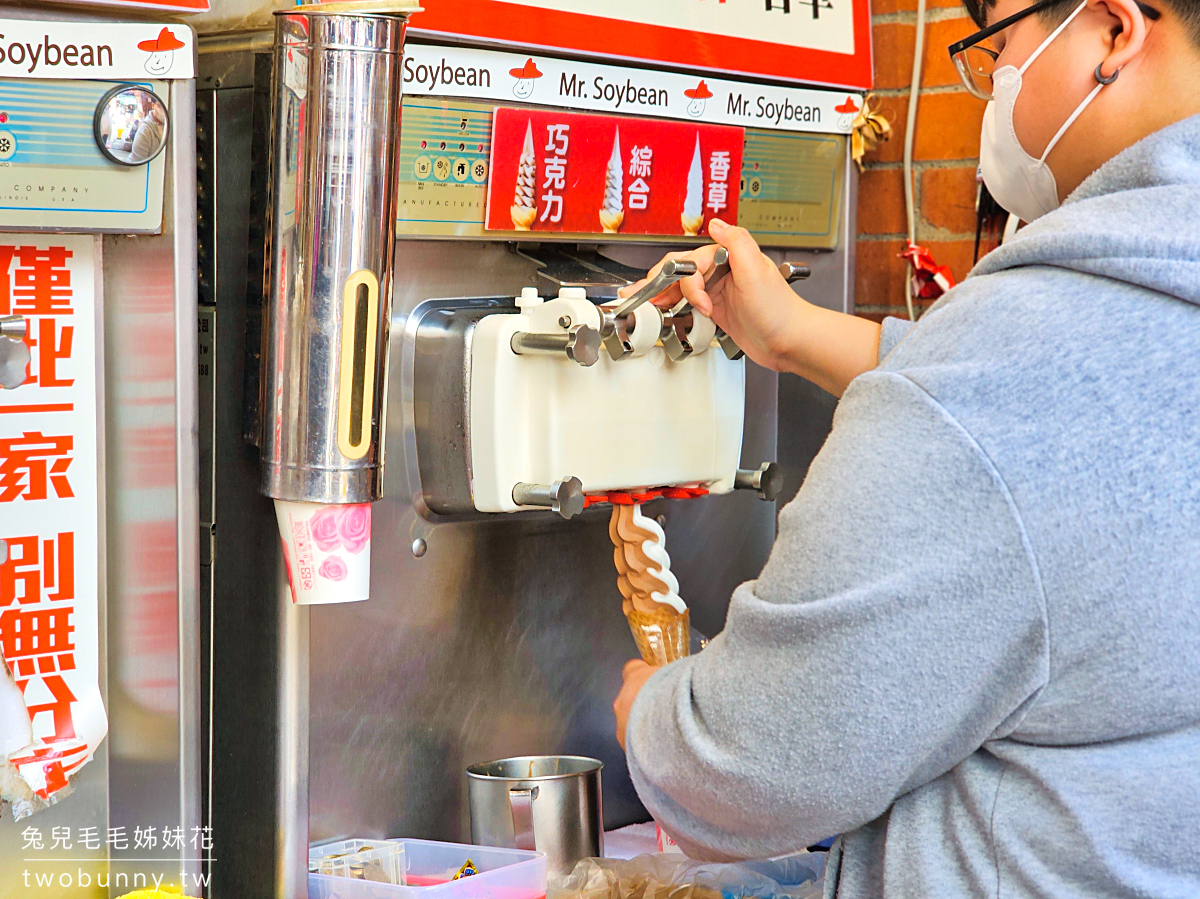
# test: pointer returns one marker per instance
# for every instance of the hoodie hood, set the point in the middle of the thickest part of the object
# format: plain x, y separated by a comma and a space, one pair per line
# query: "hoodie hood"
1135, 219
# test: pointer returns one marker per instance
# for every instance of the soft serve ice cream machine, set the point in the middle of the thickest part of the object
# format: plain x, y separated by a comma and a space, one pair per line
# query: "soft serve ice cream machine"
536, 378
525, 388
467, 386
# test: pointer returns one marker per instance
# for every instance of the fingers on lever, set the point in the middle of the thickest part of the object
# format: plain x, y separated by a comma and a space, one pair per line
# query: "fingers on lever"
670, 297
632, 288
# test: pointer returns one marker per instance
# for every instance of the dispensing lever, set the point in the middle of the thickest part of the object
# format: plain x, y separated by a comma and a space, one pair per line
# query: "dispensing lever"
674, 333
564, 497
617, 327
14, 354
721, 261
791, 272
672, 270
580, 344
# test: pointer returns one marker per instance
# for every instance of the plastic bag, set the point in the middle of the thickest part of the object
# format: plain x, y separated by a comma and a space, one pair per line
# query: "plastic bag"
799, 876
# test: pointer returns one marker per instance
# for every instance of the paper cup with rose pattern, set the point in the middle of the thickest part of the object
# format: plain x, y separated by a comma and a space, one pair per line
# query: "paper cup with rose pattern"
327, 549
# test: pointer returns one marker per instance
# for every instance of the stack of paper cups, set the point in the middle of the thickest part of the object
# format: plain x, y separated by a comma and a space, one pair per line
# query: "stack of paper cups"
327, 549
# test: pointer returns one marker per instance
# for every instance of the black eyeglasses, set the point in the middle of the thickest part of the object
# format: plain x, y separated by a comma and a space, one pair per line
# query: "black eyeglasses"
975, 64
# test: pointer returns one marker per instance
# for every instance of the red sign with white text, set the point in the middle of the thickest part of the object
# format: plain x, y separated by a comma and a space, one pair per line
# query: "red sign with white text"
591, 174
816, 41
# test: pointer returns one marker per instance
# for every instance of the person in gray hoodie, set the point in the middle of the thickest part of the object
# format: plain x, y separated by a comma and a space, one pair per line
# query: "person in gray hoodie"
974, 652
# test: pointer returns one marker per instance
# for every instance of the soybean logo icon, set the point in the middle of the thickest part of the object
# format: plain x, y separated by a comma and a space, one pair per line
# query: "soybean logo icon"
162, 52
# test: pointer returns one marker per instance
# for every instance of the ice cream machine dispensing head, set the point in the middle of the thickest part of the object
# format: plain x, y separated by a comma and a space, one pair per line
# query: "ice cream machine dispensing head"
574, 400
335, 115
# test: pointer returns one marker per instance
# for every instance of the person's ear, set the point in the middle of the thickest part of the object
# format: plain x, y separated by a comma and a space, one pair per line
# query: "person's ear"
1127, 35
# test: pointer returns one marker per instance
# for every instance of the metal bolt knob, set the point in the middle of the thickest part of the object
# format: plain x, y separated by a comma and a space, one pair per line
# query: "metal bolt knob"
766, 480
581, 344
564, 497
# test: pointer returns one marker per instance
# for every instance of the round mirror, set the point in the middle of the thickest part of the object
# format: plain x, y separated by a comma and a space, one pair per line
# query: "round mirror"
131, 125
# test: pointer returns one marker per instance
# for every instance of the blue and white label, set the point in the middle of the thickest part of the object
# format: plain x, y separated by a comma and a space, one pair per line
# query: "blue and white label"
52, 173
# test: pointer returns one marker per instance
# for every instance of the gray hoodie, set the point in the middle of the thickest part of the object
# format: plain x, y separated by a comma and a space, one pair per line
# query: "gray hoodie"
975, 650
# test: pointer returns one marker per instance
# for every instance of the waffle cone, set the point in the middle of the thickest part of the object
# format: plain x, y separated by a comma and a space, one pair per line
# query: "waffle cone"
611, 221
662, 636
691, 224
522, 217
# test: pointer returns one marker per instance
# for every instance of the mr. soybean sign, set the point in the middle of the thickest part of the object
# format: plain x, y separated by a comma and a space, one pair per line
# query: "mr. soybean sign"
41, 49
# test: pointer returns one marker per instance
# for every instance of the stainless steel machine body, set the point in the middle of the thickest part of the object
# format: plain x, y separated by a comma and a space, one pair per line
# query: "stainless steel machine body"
336, 111
486, 636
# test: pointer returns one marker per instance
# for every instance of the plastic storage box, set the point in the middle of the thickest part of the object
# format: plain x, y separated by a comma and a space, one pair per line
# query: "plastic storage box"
381, 861
430, 868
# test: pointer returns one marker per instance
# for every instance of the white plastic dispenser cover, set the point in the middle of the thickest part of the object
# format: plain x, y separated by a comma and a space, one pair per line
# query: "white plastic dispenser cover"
643, 421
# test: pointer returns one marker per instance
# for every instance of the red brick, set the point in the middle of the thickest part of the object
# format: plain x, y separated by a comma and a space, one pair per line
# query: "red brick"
947, 199
892, 46
880, 273
947, 126
883, 7
881, 202
939, 68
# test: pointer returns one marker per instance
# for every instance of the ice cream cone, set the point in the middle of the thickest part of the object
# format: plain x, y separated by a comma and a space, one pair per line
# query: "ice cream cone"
662, 636
658, 618
611, 221
522, 217
691, 224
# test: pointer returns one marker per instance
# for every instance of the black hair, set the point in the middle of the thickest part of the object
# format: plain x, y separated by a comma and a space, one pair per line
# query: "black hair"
1053, 15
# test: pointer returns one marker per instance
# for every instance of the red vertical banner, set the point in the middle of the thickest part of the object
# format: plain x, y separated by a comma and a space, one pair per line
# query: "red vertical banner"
559, 171
49, 511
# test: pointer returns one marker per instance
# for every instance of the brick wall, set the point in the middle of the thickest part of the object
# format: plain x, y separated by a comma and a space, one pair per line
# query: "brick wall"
945, 155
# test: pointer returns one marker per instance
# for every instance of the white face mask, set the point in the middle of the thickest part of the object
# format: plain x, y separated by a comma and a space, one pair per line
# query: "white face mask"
1023, 185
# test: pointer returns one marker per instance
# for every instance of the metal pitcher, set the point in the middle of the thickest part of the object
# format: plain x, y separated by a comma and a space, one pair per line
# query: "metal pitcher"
550, 803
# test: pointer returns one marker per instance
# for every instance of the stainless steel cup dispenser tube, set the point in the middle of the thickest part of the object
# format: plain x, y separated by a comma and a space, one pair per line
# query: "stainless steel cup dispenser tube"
335, 127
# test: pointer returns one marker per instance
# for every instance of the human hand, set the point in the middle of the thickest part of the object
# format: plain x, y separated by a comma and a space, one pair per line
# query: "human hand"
753, 304
635, 673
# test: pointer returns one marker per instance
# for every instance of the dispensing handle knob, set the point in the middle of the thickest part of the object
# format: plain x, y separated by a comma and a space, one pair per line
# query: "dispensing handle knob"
14, 354
580, 344
564, 497
766, 480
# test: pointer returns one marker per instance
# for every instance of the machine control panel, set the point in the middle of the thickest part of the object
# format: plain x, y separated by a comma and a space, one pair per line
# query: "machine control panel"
53, 175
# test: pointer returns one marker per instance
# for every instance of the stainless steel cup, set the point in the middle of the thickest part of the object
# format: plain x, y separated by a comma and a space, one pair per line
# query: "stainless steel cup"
550, 803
